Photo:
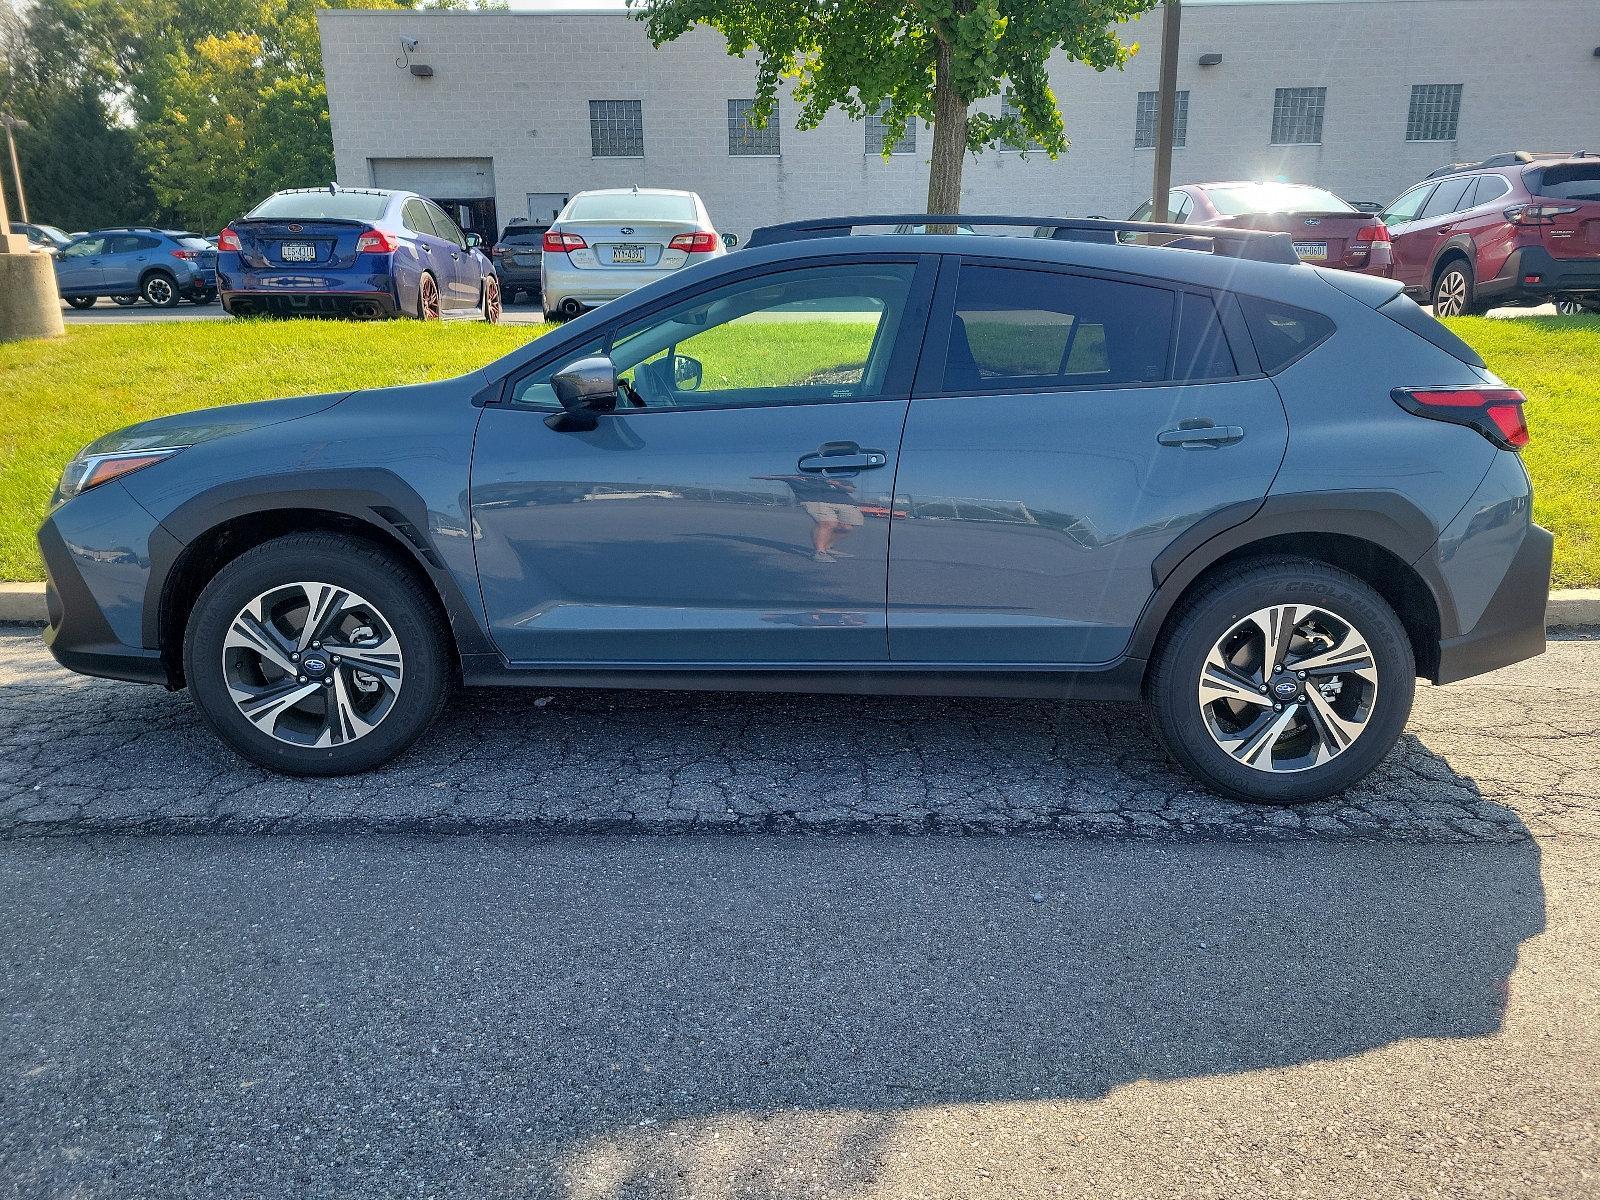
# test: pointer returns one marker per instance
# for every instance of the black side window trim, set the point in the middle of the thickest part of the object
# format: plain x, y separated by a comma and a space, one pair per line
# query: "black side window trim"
930, 371
897, 379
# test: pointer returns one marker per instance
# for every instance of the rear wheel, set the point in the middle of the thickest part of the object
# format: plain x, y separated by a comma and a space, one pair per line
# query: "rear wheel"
125, 301
1571, 306
82, 301
428, 298
491, 299
313, 654
1282, 681
1453, 290
160, 289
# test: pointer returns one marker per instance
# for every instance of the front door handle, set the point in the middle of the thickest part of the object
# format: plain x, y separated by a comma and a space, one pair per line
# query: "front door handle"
1200, 435
839, 457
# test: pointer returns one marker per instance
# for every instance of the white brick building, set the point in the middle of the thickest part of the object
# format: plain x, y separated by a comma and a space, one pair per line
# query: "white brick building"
506, 115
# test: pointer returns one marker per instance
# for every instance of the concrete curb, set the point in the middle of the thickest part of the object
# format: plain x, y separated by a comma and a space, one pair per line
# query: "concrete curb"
23, 604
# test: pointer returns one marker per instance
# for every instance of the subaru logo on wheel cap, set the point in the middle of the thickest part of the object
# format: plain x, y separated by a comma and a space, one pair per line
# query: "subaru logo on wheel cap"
315, 665
1286, 688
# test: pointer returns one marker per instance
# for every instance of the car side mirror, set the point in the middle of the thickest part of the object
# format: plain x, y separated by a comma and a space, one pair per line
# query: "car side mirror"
585, 389
687, 373
730, 240
473, 241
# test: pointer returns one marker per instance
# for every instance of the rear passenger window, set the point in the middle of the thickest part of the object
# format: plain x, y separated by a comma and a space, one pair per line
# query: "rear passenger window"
1019, 330
1282, 333
1449, 197
1203, 351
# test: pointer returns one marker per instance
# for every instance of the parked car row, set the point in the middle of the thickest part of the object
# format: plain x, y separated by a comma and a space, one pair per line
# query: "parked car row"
1513, 229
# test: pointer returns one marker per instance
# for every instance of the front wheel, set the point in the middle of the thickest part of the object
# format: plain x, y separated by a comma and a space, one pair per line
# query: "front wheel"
82, 301
1282, 681
315, 654
125, 301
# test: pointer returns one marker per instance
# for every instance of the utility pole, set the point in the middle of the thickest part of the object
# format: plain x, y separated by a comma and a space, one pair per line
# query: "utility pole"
1166, 108
13, 124
30, 305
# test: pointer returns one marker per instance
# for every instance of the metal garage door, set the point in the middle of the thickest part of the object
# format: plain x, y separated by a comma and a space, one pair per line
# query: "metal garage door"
459, 178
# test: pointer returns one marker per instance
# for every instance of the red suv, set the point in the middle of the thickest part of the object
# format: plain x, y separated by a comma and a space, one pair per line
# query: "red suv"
1326, 230
1514, 229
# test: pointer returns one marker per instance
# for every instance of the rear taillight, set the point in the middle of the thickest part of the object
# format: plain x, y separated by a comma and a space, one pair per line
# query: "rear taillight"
376, 241
694, 243
1538, 214
1373, 233
186, 255
1494, 412
557, 242
227, 240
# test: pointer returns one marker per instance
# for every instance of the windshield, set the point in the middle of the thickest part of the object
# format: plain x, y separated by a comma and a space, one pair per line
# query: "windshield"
310, 206
1244, 198
630, 206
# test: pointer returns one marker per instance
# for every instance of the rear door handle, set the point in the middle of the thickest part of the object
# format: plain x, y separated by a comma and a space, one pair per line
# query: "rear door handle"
1197, 436
839, 457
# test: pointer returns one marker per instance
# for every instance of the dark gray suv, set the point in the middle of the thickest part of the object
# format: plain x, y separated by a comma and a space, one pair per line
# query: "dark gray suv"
1262, 496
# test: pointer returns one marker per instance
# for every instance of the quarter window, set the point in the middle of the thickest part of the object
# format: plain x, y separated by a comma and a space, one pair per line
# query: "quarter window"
1147, 113
1282, 333
1018, 330
1435, 112
616, 128
1490, 188
1297, 116
745, 138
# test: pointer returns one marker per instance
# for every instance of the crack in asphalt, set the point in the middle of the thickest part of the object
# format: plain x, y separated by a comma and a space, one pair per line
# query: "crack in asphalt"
1513, 755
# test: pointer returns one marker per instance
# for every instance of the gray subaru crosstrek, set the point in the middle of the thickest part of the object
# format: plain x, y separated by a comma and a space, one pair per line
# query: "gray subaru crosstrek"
1262, 496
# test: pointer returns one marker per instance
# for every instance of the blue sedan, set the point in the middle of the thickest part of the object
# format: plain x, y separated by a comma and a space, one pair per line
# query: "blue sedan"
354, 252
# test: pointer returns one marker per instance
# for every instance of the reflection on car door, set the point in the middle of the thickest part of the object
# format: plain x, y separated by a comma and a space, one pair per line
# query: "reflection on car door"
735, 508
1064, 430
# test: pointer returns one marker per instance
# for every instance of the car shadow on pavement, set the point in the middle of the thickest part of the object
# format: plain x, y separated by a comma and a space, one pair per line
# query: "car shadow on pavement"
649, 1018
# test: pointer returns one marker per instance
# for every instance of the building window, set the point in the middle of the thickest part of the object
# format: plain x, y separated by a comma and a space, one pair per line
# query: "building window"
1297, 116
616, 128
1144, 121
877, 133
1008, 108
744, 138
1435, 112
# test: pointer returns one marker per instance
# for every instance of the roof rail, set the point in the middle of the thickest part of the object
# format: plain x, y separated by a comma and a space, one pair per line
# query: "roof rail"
1260, 245
1511, 158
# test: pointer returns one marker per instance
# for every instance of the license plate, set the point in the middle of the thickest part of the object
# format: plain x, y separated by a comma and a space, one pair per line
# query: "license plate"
298, 252
1310, 250
627, 254
525, 260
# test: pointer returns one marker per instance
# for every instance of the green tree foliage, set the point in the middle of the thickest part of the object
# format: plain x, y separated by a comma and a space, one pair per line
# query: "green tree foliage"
927, 59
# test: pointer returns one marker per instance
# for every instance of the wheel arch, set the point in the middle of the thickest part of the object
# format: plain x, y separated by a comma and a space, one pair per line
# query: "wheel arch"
1379, 537
145, 275
1456, 247
214, 530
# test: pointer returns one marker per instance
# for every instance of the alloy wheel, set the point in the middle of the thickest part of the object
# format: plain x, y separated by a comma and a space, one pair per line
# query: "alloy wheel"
491, 300
312, 664
1288, 688
1450, 297
428, 298
159, 290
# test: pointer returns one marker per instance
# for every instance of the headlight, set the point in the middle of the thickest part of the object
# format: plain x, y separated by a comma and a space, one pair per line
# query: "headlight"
91, 470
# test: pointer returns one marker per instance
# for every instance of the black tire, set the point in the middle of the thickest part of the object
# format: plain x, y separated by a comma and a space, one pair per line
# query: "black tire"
346, 563
82, 301
1454, 292
160, 290
1223, 603
201, 299
125, 301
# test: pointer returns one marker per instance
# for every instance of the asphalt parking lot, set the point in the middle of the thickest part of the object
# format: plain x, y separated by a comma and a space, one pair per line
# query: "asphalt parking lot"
572, 946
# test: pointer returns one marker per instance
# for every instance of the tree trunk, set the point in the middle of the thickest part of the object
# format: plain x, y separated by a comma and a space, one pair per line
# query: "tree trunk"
949, 143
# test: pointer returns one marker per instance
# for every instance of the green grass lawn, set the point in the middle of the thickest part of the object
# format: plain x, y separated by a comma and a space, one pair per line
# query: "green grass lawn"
55, 396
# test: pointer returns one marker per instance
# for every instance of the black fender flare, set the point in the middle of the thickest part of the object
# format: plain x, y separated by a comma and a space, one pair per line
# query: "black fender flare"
1459, 246
369, 496
1383, 518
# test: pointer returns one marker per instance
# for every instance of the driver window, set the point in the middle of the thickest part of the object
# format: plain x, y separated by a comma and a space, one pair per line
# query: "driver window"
1404, 210
803, 336
87, 248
